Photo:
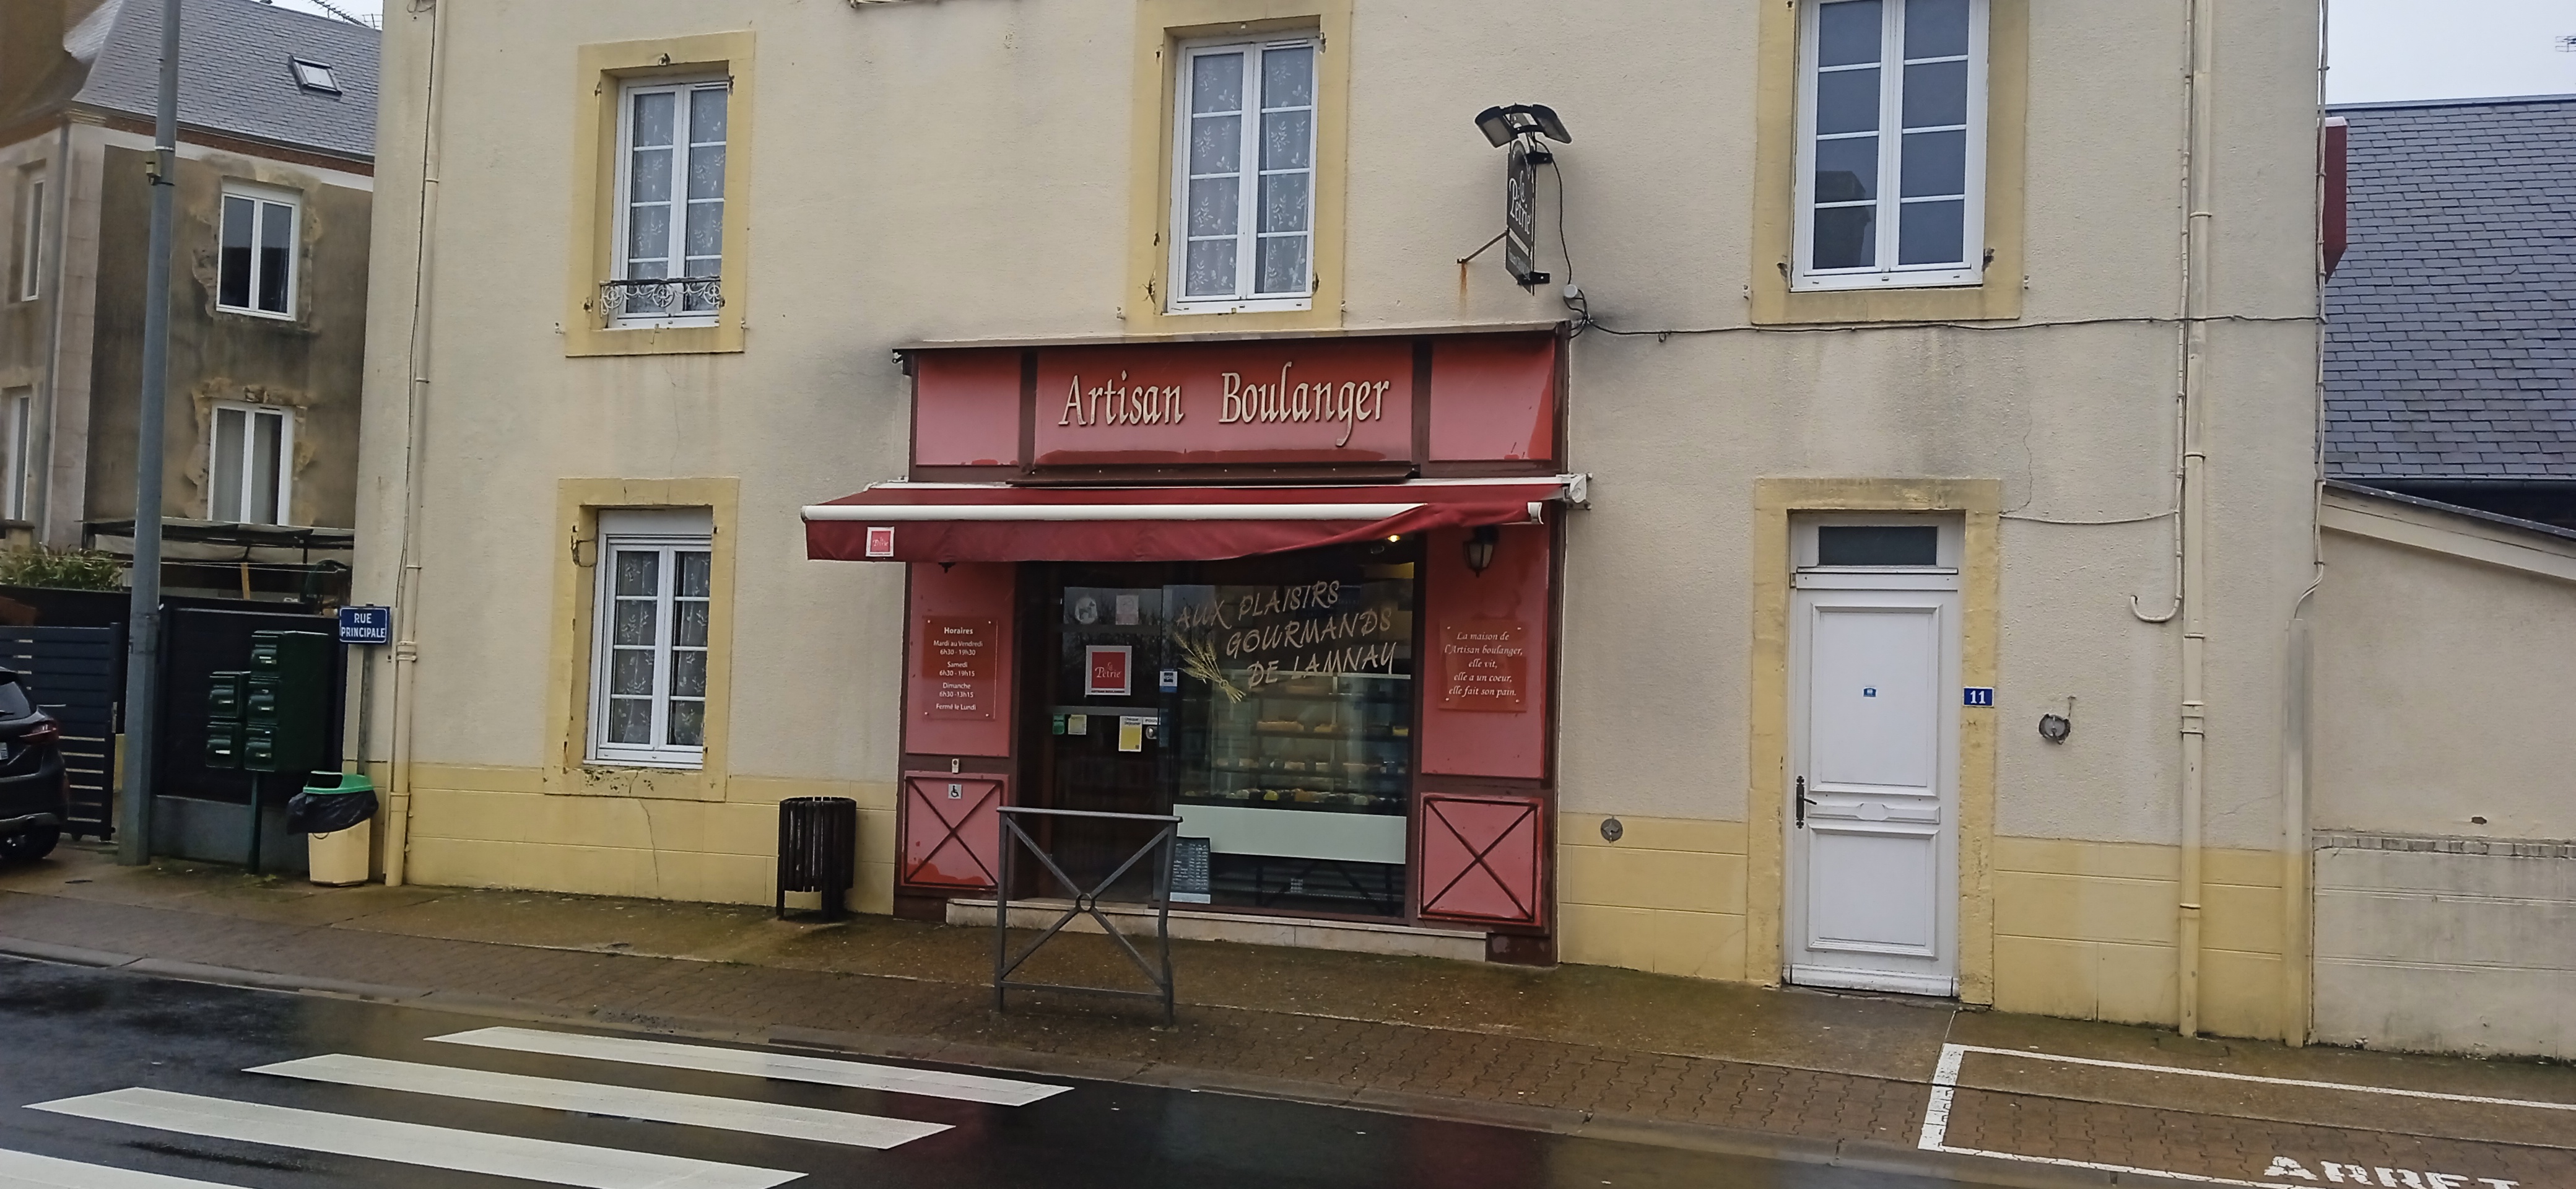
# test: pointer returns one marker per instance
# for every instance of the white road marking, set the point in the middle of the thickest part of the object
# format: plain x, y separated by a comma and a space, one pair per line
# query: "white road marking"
789, 1067
2247, 1077
1945, 1085
623, 1102
26, 1170
412, 1143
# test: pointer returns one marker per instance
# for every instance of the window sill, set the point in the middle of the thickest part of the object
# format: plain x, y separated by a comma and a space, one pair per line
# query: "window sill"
1276, 305
1996, 300
721, 337
626, 779
263, 315
1884, 282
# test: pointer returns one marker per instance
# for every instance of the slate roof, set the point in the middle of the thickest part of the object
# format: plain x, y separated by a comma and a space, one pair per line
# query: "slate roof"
2451, 323
235, 76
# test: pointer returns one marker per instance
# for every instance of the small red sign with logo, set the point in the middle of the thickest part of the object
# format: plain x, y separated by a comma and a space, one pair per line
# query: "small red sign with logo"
1108, 666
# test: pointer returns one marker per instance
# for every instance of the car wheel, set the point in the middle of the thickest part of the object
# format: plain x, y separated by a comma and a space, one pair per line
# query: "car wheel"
30, 845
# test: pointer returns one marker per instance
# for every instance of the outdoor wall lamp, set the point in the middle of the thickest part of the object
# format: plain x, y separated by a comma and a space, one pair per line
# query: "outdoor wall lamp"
1503, 125
1480, 547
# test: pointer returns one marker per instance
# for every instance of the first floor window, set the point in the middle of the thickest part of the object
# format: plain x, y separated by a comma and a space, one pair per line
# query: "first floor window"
1243, 186
671, 200
656, 596
1891, 143
248, 477
31, 238
255, 269
17, 419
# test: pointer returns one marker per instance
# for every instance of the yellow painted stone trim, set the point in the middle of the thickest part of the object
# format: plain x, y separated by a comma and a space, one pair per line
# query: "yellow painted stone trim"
577, 506
598, 71
1775, 163
1160, 26
1981, 594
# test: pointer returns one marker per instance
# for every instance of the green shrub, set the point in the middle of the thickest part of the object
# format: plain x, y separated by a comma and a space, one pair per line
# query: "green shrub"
62, 569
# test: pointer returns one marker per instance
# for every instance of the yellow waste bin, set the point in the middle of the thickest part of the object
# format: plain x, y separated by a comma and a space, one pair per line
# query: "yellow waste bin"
338, 858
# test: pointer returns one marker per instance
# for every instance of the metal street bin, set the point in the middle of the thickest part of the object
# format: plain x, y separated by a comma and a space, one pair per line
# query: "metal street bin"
818, 845
338, 809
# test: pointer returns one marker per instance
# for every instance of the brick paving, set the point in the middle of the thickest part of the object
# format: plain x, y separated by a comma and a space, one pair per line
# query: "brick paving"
1791, 1090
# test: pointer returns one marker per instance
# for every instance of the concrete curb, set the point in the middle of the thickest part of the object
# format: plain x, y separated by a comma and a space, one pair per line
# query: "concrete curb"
1858, 1155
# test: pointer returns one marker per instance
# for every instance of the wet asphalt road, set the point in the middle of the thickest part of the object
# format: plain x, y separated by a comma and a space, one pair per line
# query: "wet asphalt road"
68, 1031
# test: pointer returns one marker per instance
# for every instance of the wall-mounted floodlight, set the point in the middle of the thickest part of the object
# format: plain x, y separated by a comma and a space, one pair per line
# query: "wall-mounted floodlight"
1502, 125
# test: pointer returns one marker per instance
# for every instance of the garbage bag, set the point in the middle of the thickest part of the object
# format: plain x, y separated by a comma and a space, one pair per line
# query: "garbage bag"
328, 813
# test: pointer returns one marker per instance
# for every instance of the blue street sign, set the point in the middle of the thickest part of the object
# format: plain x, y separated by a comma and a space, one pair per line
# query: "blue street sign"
1979, 695
366, 625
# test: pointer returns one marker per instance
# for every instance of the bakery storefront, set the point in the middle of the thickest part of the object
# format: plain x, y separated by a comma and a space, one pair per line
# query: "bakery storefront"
1300, 592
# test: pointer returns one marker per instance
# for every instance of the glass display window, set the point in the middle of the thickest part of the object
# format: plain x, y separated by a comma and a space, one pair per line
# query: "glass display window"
1269, 702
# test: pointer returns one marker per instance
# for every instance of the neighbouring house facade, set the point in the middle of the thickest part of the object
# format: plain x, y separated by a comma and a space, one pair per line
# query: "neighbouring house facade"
2444, 833
268, 285
1866, 557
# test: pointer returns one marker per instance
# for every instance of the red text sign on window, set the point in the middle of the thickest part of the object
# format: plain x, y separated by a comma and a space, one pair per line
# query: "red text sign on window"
957, 653
1107, 666
1484, 664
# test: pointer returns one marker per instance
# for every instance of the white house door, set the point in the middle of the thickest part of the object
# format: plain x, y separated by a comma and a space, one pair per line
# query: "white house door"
1873, 829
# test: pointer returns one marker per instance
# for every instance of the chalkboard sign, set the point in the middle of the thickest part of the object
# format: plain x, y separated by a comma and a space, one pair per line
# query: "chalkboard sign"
1190, 871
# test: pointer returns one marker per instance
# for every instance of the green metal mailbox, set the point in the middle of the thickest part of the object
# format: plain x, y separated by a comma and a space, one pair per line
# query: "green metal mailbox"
224, 719
286, 700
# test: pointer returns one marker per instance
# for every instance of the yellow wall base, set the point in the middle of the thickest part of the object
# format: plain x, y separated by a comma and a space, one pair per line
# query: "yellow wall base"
2084, 930
495, 828
1668, 897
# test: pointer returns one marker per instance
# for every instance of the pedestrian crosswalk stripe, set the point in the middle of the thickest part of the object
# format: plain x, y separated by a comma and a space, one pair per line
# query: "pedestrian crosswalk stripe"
26, 1170
413, 1143
790, 1067
623, 1102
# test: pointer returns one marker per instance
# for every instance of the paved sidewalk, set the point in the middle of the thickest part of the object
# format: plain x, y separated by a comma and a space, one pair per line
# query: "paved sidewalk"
1578, 1049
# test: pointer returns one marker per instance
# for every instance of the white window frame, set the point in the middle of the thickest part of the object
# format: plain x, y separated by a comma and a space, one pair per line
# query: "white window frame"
1886, 274
666, 533
17, 422
681, 148
260, 198
285, 460
1248, 197
29, 282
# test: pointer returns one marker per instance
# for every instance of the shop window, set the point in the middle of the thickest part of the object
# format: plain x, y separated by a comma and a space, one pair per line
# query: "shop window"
255, 267
670, 204
249, 473
1269, 702
649, 666
1243, 188
28, 282
1891, 144
17, 418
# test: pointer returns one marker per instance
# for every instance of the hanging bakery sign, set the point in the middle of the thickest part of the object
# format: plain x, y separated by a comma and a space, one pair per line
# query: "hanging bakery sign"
1290, 402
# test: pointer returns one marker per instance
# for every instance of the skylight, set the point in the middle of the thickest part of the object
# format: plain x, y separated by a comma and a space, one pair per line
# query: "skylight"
315, 76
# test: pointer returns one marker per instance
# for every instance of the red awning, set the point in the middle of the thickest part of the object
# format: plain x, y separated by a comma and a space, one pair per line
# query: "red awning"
940, 522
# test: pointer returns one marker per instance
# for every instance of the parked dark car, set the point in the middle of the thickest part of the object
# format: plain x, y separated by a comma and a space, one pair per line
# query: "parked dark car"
34, 798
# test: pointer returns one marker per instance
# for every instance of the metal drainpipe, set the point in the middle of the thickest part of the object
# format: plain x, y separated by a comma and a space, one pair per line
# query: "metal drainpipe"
416, 398
2200, 153
37, 495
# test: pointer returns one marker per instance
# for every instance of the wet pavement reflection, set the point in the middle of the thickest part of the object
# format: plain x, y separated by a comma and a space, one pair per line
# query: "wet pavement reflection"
72, 1033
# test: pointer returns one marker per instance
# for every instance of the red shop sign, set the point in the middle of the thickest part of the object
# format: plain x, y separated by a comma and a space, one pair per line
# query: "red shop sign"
1484, 664
1343, 401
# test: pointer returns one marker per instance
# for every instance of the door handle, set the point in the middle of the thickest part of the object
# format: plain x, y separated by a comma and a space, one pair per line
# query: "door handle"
1803, 802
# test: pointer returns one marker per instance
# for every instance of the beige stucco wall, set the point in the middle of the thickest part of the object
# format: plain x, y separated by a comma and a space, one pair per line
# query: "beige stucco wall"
942, 171
2446, 844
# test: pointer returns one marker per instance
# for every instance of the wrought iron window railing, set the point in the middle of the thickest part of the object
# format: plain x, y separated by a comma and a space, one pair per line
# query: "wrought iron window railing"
662, 297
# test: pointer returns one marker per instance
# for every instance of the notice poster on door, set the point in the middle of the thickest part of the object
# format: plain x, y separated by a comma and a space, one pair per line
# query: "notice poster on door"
1107, 669
1484, 665
957, 654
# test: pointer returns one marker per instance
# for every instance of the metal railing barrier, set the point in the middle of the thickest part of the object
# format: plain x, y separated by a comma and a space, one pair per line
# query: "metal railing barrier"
1086, 901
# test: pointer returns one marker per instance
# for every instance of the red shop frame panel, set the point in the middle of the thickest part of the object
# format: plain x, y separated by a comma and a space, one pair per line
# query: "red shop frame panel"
952, 830
1483, 858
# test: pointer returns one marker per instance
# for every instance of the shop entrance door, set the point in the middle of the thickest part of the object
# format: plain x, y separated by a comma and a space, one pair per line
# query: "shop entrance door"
1873, 823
